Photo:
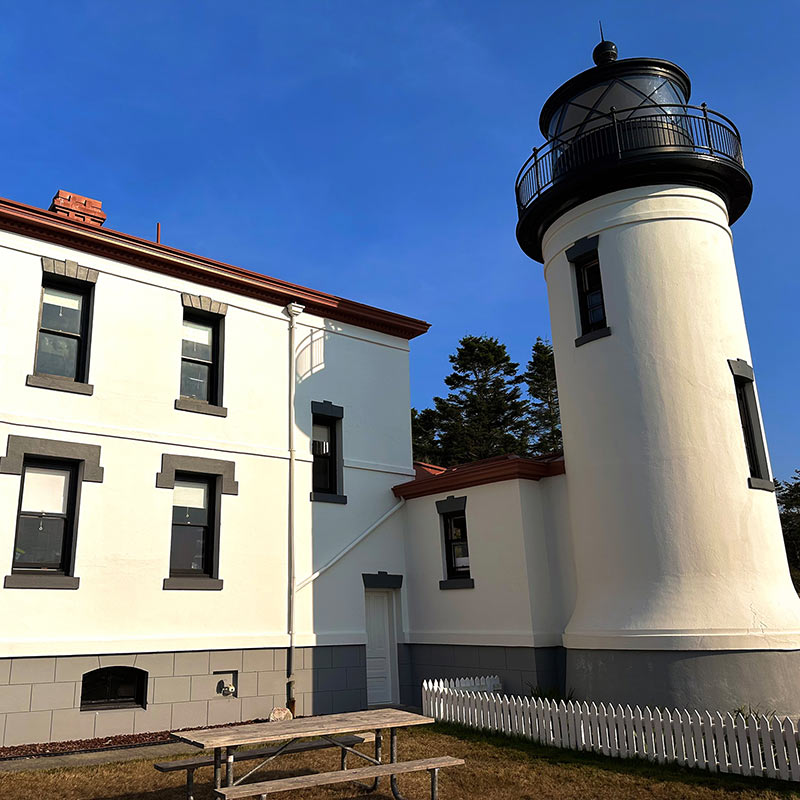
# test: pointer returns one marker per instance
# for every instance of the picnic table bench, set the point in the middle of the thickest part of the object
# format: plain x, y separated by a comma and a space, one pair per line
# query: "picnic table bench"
331, 730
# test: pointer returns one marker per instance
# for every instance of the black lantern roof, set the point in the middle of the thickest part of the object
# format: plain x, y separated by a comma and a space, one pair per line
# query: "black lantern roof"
625, 123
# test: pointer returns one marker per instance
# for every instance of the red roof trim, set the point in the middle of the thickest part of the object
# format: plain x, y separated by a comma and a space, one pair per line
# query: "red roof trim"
490, 470
39, 224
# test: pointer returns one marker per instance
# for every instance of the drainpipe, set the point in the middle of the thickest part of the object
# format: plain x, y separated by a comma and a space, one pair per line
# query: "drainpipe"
293, 310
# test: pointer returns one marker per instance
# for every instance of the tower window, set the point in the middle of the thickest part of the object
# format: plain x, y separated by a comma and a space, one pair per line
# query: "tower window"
453, 514
744, 382
326, 450
589, 285
113, 687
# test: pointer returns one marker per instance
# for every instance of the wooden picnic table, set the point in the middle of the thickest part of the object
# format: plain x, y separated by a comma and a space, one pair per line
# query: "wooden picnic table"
325, 727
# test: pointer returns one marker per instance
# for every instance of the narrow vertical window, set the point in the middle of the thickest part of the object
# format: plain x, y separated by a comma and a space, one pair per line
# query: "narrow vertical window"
62, 344
590, 303
752, 433
46, 517
199, 363
193, 527
590, 295
326, 451
453, 516
456, 549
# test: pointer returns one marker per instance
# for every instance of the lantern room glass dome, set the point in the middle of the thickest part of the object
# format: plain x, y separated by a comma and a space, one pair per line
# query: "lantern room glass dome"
630, 95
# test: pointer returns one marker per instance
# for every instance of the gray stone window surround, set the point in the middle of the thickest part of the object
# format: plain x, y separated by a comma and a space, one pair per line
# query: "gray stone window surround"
381, 580
334, 414
451, 505
743, 373
67, 272
580, 250
224, 471
88, 456
214, 311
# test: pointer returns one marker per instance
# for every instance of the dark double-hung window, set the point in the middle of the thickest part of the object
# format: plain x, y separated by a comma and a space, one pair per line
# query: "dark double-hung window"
456, 549
62, 347
200, 362
46, 519
589, 285
326, 451
193, 525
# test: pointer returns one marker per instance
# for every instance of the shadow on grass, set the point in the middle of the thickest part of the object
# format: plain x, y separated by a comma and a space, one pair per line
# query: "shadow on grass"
664, 773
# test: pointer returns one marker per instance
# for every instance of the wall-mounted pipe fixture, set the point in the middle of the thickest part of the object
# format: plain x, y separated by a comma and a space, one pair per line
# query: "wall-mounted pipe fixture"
293, 310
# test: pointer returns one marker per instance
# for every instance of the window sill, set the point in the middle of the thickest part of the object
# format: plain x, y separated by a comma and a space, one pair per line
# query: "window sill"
204, 584
200, 407
323, 497
89, 708
59, 383
590, 337
761, 483
30, 580
457, 583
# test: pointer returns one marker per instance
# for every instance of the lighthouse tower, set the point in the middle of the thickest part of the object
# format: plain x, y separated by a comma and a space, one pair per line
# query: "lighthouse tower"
683, 590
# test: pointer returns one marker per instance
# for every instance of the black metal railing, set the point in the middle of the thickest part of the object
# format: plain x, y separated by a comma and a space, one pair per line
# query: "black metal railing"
628, 132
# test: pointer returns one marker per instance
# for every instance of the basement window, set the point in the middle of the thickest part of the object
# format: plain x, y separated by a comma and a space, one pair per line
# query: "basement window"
113, 687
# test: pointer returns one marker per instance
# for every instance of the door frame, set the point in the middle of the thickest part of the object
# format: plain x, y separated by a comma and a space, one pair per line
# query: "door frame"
393, 614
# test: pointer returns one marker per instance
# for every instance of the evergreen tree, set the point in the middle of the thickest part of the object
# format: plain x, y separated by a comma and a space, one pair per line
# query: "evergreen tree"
424, 427
543, 417
484, 414
788, 496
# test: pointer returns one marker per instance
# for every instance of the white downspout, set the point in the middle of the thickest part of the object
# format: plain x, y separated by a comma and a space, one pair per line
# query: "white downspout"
293, 310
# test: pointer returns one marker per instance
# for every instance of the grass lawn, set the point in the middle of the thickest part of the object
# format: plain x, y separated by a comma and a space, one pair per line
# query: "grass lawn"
496, 768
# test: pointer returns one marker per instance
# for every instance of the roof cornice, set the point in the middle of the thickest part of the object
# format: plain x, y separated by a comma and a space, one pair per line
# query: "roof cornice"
492, 470
39, 224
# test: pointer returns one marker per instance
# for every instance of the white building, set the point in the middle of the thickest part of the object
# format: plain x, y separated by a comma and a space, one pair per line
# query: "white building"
208, 505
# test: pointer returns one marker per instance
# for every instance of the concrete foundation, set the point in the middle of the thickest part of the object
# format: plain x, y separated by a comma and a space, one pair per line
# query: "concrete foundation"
521, 669
40, 697
722, 680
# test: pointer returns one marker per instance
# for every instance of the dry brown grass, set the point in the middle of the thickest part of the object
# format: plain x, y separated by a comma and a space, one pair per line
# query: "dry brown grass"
497, 769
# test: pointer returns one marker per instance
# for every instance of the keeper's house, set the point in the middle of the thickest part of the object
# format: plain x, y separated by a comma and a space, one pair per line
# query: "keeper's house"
158, 409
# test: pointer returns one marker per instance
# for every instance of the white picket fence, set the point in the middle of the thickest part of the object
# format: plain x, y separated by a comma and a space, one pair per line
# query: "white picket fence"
752, 745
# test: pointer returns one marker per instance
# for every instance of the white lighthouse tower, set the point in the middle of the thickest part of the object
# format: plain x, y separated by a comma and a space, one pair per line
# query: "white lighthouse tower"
683, 590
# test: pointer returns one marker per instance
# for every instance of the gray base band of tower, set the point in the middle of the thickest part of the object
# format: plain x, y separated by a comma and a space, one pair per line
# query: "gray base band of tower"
721, 680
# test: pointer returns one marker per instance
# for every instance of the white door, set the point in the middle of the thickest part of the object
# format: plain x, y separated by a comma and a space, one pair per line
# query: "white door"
380, 651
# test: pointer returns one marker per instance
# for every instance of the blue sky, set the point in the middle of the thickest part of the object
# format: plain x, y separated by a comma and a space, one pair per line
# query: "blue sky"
369, 149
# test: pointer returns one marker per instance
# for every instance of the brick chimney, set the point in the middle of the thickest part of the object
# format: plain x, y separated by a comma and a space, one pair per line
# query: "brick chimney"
76, 207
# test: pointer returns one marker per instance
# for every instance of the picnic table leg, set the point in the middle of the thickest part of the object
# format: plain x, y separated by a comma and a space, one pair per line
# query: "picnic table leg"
217, 767
189, 784
393, 760
434, 784
229, 751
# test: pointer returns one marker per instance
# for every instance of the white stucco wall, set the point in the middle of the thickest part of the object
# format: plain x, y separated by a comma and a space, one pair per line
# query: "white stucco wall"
672, 549
124, 525
515, 600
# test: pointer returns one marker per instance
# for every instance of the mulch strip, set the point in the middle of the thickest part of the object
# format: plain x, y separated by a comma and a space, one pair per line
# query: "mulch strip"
121, 742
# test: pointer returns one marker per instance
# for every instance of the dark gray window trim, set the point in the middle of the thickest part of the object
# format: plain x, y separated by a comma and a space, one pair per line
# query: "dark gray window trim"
381, 580
200, 407
59, 383
451, 504
324, 497
590, 337
198, 584
69, 269
741, 369
31, 580
743, 373
20, 446
327, 409
583, 247
201, 303
170, 464
457, 583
